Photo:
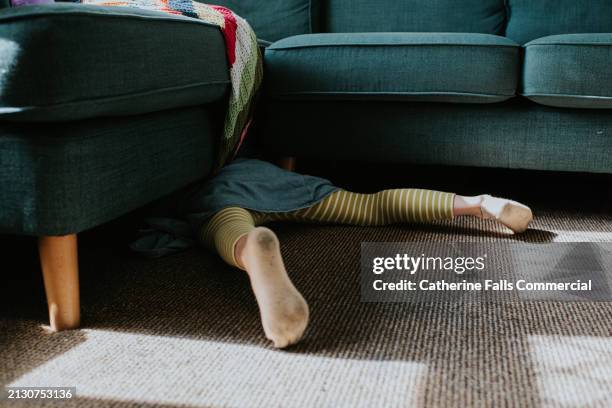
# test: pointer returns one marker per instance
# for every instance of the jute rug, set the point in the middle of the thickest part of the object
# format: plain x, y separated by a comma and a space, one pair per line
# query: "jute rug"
185, 331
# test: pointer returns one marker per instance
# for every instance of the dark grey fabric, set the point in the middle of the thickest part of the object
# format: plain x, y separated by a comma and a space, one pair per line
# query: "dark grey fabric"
73, 61
245, 183
60, 178
256, 185
514, 134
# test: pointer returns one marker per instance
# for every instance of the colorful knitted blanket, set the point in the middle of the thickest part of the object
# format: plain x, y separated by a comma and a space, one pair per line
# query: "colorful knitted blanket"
242, 52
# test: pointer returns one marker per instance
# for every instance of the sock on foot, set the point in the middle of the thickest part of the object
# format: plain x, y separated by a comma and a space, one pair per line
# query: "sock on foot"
284, 312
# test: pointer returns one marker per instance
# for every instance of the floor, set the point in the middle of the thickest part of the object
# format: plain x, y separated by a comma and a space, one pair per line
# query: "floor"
184, 330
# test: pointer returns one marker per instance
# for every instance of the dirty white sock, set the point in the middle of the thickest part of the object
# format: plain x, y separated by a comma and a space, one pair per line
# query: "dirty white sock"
284, 312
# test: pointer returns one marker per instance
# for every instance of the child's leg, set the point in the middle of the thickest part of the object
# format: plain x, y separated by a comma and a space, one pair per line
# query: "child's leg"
409, 205
382, 208
232, 232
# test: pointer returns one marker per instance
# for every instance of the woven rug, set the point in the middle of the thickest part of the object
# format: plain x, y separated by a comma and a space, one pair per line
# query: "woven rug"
185, 331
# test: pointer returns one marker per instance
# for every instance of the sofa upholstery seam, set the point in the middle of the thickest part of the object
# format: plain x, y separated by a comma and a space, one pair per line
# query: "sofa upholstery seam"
570, 44
310, 15
567, 95
420, 93
273, 48
106, 99
506, 17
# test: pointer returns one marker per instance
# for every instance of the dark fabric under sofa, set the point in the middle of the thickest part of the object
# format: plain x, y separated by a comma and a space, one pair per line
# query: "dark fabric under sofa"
103, 110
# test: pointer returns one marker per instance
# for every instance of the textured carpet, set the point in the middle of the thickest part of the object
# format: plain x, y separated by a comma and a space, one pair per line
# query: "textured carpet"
185, 331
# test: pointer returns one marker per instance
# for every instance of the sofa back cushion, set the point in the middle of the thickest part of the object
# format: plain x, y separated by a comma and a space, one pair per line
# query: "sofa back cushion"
471, 16
275, 19
531, 19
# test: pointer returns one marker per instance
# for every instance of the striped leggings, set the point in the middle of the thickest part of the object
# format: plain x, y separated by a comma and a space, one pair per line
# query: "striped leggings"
227, 226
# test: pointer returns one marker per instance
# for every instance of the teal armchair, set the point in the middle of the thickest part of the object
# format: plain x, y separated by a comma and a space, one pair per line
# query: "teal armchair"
102, 110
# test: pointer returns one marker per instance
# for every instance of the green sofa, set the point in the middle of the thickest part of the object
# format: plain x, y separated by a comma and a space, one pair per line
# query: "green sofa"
103, 110
493, 83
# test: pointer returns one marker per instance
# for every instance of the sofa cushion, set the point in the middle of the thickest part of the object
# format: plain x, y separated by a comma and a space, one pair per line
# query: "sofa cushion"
572, 70
74, 61
470, 16
531, 19
470, 68
276, 19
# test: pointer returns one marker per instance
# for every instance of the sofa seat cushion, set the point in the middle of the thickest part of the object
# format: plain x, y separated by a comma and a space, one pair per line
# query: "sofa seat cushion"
571, 71
468, 68
71, 61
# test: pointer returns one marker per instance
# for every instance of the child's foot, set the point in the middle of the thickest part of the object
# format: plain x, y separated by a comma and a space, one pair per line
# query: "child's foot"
284, 312
512, 214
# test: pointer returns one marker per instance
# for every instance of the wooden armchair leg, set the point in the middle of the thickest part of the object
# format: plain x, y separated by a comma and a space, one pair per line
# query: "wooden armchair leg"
287, 163
59, 262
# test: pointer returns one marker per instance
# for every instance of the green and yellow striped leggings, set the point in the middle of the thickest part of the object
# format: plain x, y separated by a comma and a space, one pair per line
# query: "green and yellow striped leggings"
227, 226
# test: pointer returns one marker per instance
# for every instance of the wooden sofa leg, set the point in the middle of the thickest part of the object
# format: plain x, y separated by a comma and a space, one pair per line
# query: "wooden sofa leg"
59, 262
287, 163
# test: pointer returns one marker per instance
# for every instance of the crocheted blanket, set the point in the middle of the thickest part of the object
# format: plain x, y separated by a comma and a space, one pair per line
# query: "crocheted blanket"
242, 52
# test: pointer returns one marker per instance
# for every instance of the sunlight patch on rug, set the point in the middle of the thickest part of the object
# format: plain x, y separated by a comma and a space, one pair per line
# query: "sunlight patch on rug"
169, 370
582, 236
573, 370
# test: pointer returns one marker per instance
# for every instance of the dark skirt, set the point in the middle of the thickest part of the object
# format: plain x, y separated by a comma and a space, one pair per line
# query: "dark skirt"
246, 183
255, 185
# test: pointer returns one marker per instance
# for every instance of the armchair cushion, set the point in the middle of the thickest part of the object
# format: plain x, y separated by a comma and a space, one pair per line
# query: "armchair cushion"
71, 61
